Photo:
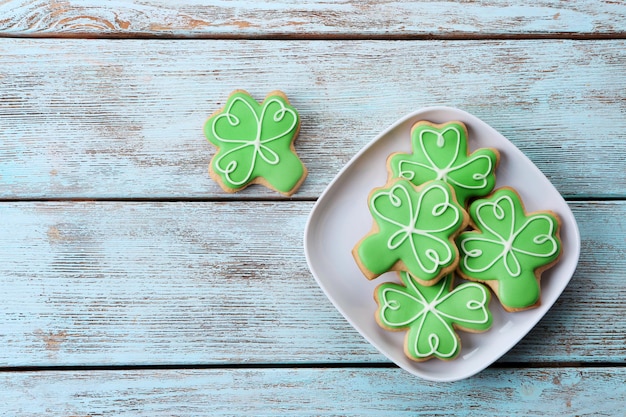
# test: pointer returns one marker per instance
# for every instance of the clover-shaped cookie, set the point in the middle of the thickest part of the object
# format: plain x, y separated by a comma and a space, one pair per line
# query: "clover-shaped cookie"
440, 152
432, 314
414, 230
255, 143
510, 249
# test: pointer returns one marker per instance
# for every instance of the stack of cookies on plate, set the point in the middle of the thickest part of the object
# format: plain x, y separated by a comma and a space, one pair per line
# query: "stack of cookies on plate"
440, 217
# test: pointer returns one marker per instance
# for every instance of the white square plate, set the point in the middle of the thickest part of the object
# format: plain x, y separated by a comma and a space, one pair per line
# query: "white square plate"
340, 218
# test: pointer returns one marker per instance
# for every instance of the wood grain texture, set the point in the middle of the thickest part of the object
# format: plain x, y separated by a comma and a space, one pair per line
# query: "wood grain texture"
123, 118
320, 392
140, 283
168, 297
308, 19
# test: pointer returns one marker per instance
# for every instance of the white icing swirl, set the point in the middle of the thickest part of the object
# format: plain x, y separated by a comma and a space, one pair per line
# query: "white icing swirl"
442, 173
509, 250
408, 231
260, 148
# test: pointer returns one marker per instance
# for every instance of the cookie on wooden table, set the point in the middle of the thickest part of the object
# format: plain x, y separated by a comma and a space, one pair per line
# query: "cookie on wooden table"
255, 143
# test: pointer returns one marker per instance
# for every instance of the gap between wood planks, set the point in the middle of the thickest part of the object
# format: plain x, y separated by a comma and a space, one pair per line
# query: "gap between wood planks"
355, 365
226, 199
326, 36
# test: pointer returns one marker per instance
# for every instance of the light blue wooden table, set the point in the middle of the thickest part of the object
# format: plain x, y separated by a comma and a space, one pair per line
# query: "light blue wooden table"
131, 285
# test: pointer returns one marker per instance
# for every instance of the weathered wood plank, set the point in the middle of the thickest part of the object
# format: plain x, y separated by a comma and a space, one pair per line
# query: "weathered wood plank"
123, 119
320, 392
124, 283
310, 19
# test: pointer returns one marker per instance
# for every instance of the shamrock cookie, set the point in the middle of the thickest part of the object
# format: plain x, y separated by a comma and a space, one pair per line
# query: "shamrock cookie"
255, 143
432, 314
414, 230
510, 249
440, 152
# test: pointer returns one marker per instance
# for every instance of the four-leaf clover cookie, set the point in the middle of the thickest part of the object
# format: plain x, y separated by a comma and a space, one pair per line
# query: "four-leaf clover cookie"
432, 314
255, 143
414, 230
440, 152
510, 248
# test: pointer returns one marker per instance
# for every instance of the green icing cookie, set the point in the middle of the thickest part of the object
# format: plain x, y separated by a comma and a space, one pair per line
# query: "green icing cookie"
255, 143
440, 152
414, 230
510, 248
431, 314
